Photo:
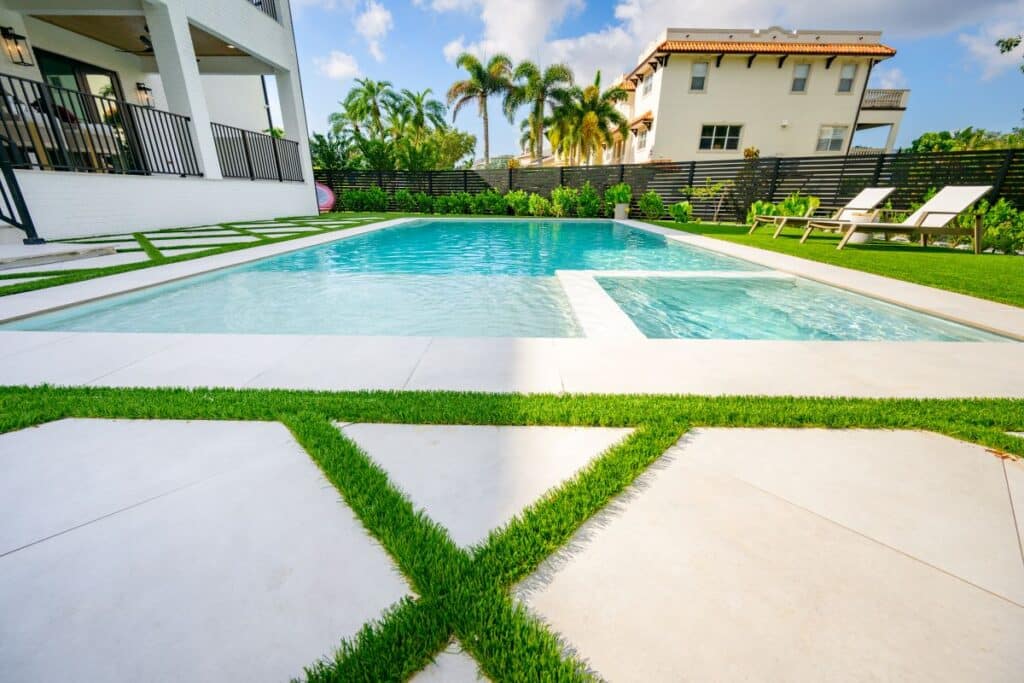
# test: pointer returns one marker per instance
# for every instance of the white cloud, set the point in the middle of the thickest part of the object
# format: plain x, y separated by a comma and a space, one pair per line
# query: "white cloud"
981, 46
524, 29
338, 66
373, 24
888, 77
454, 48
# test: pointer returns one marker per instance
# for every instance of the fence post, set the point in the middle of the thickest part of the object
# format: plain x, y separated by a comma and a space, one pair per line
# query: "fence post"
465, 181
773, 185
430, 183
693, 169
561, 175
509, 178
248, 155
622, 172
878, 170
997, 185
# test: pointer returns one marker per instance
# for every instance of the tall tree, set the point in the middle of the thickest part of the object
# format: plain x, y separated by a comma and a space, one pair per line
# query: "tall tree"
1009, 44
367, 101
485, 80
424, 111
587, 122
538, 89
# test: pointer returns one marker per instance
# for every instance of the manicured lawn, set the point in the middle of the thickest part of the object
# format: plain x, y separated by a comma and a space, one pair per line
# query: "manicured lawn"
465, 594
996, 277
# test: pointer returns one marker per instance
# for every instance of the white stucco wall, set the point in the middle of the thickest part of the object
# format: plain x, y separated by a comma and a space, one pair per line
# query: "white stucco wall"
81, 204
775, 120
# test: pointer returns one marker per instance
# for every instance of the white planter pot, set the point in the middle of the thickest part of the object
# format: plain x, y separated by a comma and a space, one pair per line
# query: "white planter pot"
621, 212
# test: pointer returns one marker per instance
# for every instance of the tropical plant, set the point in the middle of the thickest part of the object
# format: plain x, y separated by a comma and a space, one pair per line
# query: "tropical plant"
564, 201
489, 202
586, 122
1009, 44
681, 212
710, 191
590, 204
652, 205
328, 151
620, 193
485, 80
275, 132
367, 101
967, 139
404, 201
797, 204
539, 205
518, 201
761, 207
424, 202
539, 89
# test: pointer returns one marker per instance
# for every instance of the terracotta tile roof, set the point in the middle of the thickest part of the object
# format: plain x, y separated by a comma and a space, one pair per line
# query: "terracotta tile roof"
646, 117
776, 48
727, 47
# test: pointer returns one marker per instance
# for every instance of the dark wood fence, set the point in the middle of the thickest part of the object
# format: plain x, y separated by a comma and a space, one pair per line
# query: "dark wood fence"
834, 179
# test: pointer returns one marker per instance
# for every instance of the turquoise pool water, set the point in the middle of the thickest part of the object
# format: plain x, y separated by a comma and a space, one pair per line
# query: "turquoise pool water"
494, 278
792, 308
437, 278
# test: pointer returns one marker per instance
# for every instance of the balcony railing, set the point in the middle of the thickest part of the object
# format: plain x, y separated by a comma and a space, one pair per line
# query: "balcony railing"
268, 7
52, 128
885, 99
257, 156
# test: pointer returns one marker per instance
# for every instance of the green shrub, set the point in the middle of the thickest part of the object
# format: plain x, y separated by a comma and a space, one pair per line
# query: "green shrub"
589, 204
681, 212
620, 193
1003, 226
461, 202
375, 199
564, 201
797, 204
443, 204
404, 201
490, 202
761, 208
424, 202
652, 205
539, 206
518, 201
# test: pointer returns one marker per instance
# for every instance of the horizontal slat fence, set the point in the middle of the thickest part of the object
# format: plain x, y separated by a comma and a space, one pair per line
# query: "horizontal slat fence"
835, 179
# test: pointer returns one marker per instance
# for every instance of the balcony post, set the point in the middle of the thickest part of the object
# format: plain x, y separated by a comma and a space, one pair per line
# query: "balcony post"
179, 73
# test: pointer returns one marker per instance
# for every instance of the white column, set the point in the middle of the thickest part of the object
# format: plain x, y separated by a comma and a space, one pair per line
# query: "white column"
890, 141
293, 116
179, 73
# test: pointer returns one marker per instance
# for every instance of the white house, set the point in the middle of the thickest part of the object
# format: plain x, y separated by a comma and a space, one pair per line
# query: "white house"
122, 115
711, 93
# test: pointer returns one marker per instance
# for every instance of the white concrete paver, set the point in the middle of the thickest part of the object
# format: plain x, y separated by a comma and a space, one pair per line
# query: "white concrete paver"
1015, 486
78, 264
223, 554
701, 575
79, 359
473, 479
453, 665
488, 364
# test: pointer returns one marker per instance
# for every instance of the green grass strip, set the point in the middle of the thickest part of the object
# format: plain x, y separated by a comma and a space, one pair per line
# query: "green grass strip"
154, 254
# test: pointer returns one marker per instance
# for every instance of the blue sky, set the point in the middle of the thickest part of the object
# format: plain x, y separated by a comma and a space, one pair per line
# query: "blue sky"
945, 47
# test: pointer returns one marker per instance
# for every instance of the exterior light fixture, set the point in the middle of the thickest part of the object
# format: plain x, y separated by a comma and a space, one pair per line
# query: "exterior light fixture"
145, 94
16, 46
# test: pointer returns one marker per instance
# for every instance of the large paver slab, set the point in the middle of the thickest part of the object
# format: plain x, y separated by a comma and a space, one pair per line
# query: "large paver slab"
80, 358
453, 665
472, 479
699, 575
934, 498
1015, 484
488, 364
78, 264
184, 551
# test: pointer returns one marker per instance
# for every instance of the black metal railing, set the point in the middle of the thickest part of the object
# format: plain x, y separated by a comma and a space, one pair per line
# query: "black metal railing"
51, 128
13, 209
268, 7
257, 156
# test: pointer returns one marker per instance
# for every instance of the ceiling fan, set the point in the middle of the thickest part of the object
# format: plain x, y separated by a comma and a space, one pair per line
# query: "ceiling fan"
147, 43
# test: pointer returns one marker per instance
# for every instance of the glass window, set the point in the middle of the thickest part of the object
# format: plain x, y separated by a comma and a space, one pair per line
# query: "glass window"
830, 138
846, 77
641, 138
800, 74
720, 137
698, 76
648, 84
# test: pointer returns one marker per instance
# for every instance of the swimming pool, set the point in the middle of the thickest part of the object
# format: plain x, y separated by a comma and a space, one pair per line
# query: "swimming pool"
483, 278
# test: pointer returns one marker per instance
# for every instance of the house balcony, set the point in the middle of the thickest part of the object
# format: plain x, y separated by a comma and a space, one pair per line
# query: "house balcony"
885, 99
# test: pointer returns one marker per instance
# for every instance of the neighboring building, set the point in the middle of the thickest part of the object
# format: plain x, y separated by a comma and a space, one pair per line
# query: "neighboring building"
123, 115
711, 93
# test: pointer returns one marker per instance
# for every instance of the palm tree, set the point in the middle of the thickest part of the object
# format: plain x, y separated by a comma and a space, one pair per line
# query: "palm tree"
367, 101
538, 89
424, 111
586, 123
494, 78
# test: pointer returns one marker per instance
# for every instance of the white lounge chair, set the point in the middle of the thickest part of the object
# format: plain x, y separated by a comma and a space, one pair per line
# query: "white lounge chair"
866, 201
934, 217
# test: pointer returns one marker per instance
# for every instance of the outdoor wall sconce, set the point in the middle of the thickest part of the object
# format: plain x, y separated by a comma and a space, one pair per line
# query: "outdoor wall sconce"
145, 94
16, 46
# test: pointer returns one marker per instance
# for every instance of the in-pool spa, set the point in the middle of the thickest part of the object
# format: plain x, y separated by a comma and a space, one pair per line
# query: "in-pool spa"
495, 278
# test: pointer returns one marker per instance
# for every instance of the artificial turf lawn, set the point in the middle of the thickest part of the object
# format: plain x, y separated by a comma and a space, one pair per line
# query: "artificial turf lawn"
465, 594
997, 277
